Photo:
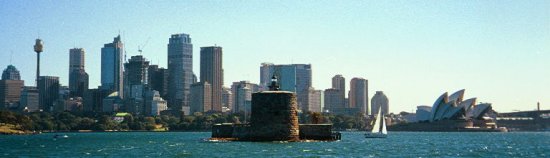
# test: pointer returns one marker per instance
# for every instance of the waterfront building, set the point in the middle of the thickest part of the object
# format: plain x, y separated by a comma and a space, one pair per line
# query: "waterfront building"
29, 99
48, 88
180, 67
201, 97
211, 67
380, 101
112, 58
294, 77
10, 88
359, 95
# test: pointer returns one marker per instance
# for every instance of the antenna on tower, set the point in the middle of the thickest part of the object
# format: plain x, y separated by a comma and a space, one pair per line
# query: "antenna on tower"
11, 57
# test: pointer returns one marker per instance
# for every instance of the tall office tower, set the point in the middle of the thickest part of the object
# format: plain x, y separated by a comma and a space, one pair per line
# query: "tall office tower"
78, 78
314, 100
10, 88
212, 72
380, 100
295, 78
48, 88
180, 68
11, 73
29, 99
359, 94
242, 95
112, 57
227, 98
158, 80
339, 82
201, 97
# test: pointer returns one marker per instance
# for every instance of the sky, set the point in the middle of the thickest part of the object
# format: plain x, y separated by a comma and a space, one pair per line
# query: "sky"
414, 51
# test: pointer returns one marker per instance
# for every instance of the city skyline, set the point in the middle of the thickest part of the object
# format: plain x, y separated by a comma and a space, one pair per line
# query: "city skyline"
496, 50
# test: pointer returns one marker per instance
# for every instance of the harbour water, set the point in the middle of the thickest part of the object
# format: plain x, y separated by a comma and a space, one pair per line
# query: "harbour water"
353, 144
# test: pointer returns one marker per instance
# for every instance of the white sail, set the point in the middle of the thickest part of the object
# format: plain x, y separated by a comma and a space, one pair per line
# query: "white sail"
384, 131
376, 127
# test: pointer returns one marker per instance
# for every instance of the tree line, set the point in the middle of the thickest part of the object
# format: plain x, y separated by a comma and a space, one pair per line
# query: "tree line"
71, 121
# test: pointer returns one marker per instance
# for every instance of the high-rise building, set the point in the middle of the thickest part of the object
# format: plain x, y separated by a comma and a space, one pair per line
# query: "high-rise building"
11, 73
76, 59
295, 78
201, 97
158, 80
180, 67
112, 58
78, 78
242, 95
359, 95
227, 98
48, 88
314, 100
333, 101
136, 70
339, 82
10, 88
212, 72
379, 100
29, 99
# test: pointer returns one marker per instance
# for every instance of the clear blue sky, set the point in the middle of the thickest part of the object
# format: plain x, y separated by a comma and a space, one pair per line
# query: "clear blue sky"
499, 51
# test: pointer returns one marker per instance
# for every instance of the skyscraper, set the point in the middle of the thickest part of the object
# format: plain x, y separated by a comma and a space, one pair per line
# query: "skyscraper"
135, 83
339, 82
48, 88
158, 80
212, 72
10, 87
314, 100
112, 57
78, 78
180, 67
379, 100
359, 95
295, 78
242, 95
11, 73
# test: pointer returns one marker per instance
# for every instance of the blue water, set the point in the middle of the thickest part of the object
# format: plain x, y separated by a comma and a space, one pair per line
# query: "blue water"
183, 144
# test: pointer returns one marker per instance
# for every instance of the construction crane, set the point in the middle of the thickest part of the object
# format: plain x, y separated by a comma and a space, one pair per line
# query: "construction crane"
140, 49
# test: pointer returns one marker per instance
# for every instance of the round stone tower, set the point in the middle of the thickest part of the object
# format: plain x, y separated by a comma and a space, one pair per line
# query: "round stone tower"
274, 116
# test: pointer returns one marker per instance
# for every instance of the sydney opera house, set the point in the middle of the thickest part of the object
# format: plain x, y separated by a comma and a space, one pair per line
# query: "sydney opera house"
452, 113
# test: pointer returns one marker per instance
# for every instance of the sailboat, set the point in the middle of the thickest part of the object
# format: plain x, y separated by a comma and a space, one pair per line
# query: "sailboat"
379, 128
